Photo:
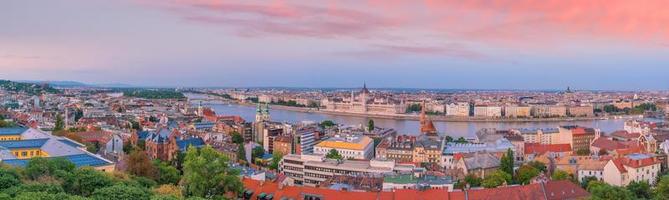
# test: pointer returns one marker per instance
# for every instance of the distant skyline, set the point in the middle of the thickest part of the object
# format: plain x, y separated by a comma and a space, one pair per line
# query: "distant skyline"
466, 44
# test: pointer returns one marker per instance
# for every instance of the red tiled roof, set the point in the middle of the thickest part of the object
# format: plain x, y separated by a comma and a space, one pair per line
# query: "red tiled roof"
552, 190
560, 190
94, 136
582, 131
608, 144
625, 134
537, 148
532, 191
619, 165
630, 150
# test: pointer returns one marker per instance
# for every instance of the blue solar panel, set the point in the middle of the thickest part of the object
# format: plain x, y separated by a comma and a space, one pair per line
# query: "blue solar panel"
23, 144
80, 160
12, 131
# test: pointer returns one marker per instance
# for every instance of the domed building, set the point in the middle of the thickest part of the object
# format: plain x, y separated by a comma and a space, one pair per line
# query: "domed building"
363, 101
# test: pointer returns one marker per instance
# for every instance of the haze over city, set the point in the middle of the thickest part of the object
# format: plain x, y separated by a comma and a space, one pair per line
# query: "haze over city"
428, 44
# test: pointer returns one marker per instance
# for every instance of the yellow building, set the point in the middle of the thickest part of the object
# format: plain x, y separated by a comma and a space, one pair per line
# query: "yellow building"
11, 133
348, 146
18, 145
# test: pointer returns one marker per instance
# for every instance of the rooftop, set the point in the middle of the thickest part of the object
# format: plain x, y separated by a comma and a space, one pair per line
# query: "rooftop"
23, 144
354, 142
80, 160
12, 131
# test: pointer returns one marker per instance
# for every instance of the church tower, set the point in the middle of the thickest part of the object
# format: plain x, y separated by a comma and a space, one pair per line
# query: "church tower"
426, 125
265, 112
364, 97
262, 112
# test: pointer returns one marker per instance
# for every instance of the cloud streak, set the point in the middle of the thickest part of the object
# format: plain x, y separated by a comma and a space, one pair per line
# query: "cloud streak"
496, 22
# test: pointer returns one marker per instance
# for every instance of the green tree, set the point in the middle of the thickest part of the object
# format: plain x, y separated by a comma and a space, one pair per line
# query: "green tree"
38, 167
327, 124
506, 162
496, 179
78, 114
206, 174
473, 180
276, 158
538, 165
50, 188
121, 192
45, 196
526, 173
257, 152
559, 175
237, 138
135, 125
461, 140
334, 154
167, 174
449, 138
241, 152
662, 188
165, 197
86, 180
415, 107
602, 191
139, 164
370, 125
8, 178
60, 125
587, 180
641, 190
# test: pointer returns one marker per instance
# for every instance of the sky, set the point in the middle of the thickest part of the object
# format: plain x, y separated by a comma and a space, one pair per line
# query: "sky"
450, 44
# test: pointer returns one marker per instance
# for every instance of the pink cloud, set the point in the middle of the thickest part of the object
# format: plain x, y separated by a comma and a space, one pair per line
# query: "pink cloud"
397, 50
528, 25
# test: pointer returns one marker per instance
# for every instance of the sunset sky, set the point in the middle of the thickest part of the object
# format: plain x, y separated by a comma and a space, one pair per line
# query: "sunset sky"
483, 44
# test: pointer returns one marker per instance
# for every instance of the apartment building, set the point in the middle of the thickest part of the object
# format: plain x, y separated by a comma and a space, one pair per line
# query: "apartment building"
311, 170
488, 111
458, 109
517, 111
580, 111
546, 111
630, 168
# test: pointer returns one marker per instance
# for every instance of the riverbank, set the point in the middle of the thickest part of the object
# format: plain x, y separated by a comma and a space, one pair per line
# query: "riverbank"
442, 118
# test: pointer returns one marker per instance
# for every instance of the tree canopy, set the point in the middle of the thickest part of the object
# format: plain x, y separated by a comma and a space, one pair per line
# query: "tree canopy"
206, 174
334, 154
496, 179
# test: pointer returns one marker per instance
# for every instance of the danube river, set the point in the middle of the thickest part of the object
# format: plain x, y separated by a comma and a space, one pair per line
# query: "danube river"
454, 129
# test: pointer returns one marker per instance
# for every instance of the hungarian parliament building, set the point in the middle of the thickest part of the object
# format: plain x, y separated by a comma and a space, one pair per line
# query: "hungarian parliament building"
363, 102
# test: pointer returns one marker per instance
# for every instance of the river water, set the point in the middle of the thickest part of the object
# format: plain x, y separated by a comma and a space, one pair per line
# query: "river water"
410, 127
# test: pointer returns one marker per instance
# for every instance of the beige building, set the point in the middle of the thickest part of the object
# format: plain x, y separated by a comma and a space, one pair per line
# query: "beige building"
591, 168
544, 135
458, 109
517, 111
631, 168
580, 111
311, 170
488, 111
545, 111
